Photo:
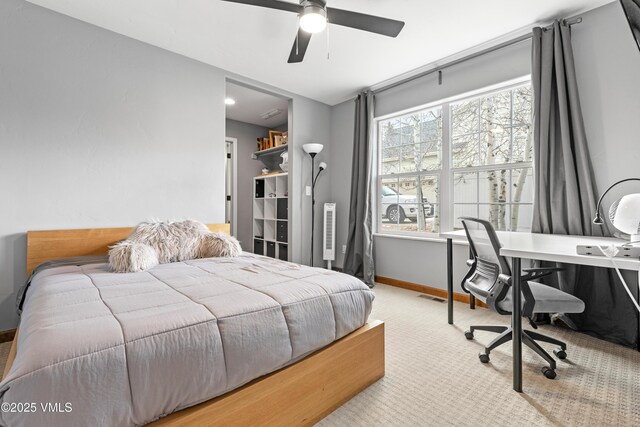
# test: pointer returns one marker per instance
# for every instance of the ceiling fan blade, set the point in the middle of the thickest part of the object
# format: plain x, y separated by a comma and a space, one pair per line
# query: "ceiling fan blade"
361, 21
299, 47
271, 4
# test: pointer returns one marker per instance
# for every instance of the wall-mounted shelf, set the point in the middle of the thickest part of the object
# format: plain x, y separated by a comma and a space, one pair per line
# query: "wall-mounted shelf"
275, 151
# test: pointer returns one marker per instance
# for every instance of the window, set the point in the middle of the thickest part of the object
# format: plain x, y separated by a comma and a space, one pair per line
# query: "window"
410, 166
467, 157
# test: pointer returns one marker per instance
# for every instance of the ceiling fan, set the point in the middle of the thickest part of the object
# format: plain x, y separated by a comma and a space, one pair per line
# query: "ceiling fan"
315, 15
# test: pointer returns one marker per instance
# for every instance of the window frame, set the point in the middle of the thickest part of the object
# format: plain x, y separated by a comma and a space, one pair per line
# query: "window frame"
445, 175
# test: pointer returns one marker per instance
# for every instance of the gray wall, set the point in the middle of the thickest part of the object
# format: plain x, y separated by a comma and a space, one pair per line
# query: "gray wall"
311, 124
247, 168
100, 130
608, 68
342, 117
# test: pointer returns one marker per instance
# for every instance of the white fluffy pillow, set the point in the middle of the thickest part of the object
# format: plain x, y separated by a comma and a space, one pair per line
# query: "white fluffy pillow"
126, 256
218, 245
156, 242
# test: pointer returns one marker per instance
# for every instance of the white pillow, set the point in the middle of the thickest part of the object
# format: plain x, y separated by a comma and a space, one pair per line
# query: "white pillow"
157, 242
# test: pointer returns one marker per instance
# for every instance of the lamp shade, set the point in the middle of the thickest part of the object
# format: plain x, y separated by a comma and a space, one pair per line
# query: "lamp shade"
312, 148
625, 215
598, 219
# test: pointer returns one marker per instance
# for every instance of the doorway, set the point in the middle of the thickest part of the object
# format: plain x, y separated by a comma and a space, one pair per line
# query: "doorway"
259, 122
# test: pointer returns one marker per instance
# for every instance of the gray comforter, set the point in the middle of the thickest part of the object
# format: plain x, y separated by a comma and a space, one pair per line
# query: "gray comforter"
101, 348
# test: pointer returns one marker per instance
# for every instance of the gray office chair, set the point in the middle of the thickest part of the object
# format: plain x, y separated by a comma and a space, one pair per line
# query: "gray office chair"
489, 280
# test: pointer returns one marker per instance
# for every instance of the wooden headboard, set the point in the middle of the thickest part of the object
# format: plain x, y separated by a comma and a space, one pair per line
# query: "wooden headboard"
50, 244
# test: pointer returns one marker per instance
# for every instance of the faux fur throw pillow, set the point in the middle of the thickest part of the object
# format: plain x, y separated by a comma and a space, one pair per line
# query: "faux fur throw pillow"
155, 242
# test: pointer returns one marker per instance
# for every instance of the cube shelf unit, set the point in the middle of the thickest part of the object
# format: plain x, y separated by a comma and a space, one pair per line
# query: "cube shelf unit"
271, 215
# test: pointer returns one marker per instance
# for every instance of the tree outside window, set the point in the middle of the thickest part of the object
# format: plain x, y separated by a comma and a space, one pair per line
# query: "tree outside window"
491, 150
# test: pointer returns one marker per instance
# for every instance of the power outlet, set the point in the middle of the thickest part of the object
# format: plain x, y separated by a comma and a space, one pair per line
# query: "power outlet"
344, 249
308, 190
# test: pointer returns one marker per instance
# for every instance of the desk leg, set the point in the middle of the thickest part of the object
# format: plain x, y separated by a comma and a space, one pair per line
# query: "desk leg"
516, 324
450, 281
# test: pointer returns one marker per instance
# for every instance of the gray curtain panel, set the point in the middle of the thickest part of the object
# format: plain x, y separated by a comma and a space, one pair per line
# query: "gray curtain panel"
358, 260
564, 194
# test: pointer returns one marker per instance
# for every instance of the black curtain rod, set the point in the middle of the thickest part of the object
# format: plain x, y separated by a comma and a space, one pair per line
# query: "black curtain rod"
570, 22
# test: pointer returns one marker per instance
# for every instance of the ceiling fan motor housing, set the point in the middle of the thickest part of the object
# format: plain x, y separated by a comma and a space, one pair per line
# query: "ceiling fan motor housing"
321, 3
312, 7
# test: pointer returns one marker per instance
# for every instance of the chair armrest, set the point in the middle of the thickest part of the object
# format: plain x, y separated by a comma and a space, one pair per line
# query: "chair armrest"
533, 274
505, 278
536, 273
527, 270
470, 262
529, 302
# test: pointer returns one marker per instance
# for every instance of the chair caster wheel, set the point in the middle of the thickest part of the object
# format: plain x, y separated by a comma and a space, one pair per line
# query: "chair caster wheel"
484, 357
468, 335
560, 353
549, 373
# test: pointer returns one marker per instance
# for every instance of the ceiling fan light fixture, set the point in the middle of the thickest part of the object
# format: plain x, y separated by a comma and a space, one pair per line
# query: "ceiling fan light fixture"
313, 19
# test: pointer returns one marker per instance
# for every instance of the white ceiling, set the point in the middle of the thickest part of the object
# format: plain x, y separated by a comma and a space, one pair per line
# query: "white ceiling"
251, 105
255, 42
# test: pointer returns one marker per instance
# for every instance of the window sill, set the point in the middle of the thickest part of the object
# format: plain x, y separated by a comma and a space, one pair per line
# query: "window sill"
420, 238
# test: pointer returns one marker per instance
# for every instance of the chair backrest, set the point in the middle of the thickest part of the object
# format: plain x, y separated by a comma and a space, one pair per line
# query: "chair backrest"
488, 263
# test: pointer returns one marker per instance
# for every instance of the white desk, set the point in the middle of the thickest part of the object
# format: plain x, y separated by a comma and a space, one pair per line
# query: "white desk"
545, 247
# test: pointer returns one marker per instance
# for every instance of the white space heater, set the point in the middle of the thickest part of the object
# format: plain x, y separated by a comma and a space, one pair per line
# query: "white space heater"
329, 234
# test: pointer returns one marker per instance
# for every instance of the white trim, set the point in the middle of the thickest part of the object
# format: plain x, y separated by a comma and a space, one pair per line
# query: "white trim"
444, 184
485, 168
234, 187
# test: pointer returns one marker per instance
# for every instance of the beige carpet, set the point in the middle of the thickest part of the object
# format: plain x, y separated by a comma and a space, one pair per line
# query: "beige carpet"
434, 376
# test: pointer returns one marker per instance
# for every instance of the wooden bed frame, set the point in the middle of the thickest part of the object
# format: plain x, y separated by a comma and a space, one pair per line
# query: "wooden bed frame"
50, 244
300, 394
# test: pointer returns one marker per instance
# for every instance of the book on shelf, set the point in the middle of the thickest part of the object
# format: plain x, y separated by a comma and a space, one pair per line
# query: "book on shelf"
276, 140
264, 144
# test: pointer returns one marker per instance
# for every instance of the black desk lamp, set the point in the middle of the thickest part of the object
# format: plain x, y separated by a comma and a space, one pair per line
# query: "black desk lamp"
598, 219
313, 150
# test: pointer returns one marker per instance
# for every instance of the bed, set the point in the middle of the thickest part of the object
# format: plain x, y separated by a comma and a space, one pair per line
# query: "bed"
225, 341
